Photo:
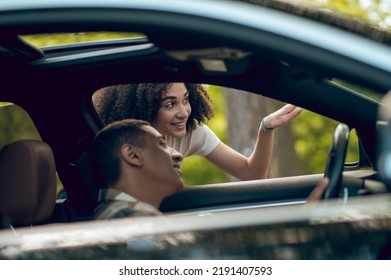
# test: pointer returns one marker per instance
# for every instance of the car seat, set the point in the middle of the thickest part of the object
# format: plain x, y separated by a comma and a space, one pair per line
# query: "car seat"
80, 184
27, 183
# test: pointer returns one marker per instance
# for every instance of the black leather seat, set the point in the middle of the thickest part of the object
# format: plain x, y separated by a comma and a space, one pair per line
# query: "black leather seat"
27, 183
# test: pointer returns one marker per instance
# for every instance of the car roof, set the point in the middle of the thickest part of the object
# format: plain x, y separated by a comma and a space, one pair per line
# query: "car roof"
128, 15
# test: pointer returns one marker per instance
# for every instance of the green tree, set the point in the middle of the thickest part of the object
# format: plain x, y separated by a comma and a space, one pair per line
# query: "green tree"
15, 124
374, 12
198, 170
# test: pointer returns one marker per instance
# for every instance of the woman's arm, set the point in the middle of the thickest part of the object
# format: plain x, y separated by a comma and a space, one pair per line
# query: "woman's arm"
256, 166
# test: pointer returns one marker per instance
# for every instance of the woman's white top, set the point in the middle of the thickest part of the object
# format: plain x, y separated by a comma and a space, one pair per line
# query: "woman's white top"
200, 141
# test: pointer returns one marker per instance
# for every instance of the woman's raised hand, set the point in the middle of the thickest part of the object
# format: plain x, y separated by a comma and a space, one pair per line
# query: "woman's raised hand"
282, 116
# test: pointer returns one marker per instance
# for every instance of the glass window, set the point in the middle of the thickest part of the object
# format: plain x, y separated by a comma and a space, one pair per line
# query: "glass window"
16, 124
313, 135
300, 148
56, 39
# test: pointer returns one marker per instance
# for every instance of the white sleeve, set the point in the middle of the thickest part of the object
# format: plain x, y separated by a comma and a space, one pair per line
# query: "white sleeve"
204, 141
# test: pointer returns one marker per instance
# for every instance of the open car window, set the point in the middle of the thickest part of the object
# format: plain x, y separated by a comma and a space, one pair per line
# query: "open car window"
300, 148
16, 124
57, 39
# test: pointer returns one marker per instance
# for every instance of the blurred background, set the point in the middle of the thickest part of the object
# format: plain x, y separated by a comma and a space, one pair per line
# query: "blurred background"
300, 148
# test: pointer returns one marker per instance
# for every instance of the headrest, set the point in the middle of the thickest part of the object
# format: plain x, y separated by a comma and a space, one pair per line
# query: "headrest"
27, 182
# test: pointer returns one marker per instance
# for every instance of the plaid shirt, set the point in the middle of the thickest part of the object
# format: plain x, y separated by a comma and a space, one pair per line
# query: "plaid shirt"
114, 204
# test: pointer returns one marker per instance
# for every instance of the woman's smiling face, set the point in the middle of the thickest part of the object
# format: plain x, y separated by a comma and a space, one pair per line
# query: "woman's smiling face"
174, 111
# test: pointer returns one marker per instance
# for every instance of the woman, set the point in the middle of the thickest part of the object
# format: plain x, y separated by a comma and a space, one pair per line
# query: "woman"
179, 111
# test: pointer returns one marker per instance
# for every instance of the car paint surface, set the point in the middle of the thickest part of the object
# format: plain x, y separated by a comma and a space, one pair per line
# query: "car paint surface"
357, 229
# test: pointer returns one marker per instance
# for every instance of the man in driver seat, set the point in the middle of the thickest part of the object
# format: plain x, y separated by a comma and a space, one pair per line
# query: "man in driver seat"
138, 169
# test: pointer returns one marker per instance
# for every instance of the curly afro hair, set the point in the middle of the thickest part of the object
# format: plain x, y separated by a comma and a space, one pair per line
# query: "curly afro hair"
142, 101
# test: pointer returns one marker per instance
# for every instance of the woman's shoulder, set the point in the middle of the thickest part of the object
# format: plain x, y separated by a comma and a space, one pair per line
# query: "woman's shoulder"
201, 128
204, 140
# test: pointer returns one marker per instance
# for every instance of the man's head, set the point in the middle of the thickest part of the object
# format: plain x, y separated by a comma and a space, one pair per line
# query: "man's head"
133, 157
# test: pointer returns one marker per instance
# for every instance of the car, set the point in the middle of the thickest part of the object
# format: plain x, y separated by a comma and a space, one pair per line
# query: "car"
339, 72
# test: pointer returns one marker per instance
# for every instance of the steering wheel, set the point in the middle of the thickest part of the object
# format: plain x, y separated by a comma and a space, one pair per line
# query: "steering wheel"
336, 161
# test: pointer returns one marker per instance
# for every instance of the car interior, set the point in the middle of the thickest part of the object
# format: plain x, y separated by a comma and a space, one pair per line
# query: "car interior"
27, 167
63, 114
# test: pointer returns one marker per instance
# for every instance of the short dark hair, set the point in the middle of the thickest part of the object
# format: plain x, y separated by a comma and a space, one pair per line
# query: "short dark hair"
108, 142
142, 101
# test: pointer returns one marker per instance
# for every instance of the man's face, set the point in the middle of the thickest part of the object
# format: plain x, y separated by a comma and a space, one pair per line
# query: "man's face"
162, 162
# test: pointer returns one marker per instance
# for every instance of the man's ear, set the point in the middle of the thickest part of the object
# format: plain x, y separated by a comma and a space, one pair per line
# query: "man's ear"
132, 155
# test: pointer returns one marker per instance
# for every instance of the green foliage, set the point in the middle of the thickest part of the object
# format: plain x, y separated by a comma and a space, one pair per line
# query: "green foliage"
374, 12
313, 134
309, 130
198, 170
15, 124
46, 40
